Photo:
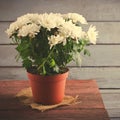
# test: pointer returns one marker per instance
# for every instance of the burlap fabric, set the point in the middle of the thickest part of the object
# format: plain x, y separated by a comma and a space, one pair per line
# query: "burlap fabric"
25, 96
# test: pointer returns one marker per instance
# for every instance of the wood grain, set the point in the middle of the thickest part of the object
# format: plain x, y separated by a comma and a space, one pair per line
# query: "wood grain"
3, 36
93, 11
58, 115
103, 65
111, 100
110, 96
101, 55
114, 118
114, 113
106, 77
91, 103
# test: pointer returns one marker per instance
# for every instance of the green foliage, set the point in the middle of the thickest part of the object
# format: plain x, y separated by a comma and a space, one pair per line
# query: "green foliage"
46, 43
37, 57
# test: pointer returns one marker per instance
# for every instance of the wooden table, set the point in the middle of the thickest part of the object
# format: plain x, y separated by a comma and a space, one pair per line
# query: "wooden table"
90, 108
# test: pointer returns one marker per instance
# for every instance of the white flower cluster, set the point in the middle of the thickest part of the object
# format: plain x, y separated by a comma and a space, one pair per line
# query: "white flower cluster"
75, 18
92, 34
66, 24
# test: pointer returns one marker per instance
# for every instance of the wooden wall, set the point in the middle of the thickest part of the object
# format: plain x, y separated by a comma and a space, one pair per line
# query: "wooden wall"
104, 63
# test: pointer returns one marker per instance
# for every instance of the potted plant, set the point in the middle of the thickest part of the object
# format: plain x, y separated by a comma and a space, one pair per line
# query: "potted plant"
46, 43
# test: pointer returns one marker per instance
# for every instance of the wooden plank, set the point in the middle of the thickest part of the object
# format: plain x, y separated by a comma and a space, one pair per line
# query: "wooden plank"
101, 55
114, 113
9, 10
102, 75
110, 91
106, 95
7, 58
90, 107
13, 73
114, 118
112, 103
54, 115
105, 29
105, 77
3, 36
108, 32
111, 100
110, 97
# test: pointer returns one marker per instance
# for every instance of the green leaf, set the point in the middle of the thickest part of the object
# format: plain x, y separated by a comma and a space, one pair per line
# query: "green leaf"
17, 57
56, 69
77, 58
27, 63
44, 71
86, 52
52, 63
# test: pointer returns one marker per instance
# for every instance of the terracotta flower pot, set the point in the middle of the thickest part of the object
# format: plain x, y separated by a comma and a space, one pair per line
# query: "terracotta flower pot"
48, 89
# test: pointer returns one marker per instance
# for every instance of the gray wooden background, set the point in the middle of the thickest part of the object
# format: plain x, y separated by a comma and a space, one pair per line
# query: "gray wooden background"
104, 63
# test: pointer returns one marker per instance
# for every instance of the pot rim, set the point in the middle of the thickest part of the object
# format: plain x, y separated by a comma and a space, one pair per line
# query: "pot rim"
48, 78
66, 71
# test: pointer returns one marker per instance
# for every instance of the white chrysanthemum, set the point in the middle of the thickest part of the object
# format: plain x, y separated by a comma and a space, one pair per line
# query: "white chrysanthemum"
75, 18
92, 34
53, 40
21, 21
13, 27
29, 25
51, 20
65, 29
77, 32
33, 18
70, 30
29, 30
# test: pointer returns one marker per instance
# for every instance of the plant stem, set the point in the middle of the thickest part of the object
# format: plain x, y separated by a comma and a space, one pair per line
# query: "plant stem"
46, 58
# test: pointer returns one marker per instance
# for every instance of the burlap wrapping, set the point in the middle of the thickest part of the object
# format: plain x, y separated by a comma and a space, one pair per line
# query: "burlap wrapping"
25, 96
